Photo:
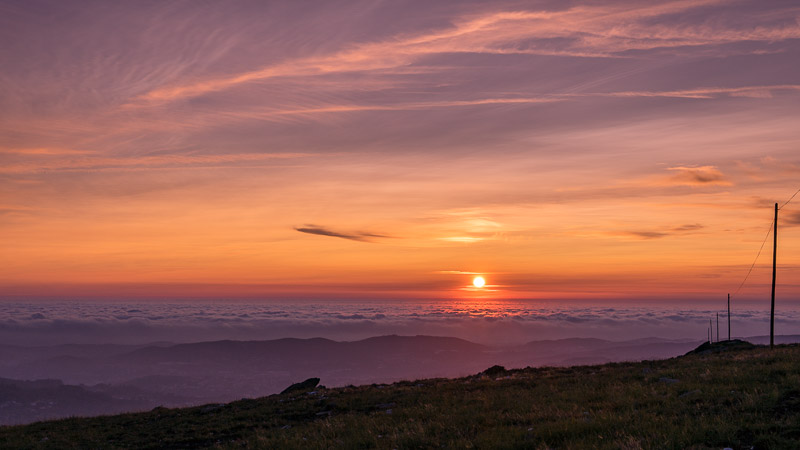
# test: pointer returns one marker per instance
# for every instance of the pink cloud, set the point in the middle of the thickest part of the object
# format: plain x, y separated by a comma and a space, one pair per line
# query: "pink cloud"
699, 176
591, 31
101, 162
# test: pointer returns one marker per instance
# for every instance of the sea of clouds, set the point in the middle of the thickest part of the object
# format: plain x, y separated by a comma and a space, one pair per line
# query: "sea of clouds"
489, 322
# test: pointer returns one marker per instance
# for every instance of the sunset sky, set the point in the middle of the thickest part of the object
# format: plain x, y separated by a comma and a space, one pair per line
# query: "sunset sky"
397, 149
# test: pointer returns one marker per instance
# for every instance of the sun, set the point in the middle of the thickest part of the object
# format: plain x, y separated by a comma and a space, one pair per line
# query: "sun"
478, 282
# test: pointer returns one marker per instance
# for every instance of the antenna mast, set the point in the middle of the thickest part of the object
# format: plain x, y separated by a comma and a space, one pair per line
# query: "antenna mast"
774, 265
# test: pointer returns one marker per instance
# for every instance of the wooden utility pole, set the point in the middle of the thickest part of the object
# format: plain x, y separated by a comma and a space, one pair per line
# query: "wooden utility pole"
729, 317
717, 327
774, 266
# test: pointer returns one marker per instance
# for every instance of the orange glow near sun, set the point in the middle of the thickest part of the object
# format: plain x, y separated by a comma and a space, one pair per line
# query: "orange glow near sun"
478, 282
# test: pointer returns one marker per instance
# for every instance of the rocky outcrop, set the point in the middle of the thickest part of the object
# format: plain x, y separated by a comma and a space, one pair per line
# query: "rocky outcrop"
306, 385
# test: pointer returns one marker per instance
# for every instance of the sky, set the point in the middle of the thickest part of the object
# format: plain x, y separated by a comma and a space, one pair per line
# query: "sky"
396, 149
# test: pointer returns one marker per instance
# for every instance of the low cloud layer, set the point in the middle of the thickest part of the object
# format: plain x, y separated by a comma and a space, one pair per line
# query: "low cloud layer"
490, 322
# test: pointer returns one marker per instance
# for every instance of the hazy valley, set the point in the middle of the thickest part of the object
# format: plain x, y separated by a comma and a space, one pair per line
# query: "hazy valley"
88, 380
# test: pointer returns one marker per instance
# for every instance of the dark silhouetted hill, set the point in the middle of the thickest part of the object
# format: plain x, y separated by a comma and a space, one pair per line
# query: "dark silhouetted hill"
29, 401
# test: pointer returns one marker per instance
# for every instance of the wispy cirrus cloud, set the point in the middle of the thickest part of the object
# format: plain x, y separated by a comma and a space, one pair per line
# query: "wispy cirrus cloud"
280, 115
791, 218
107, 162
458, 272
462, 239
645, 234
691, 227
658, 234
44, 151
352, 236
701, 93
581, 31
698, 176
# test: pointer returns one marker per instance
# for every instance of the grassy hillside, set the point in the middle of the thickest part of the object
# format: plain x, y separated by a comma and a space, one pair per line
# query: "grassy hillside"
737, 398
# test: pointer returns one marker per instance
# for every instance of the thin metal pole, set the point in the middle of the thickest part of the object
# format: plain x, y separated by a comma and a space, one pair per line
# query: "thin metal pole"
774, 266
717, 327
729, 317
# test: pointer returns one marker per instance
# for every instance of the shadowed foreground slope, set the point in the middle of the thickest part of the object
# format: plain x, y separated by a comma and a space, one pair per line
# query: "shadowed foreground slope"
736, 398
110, 379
